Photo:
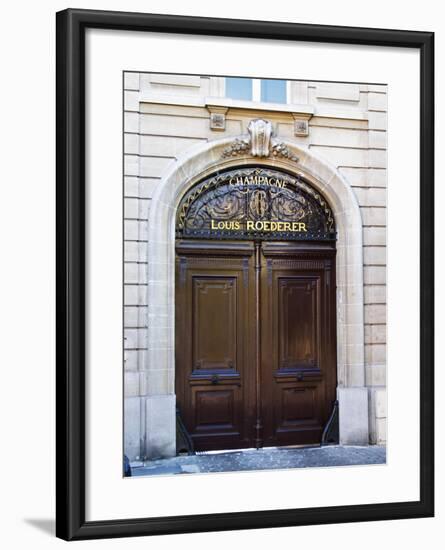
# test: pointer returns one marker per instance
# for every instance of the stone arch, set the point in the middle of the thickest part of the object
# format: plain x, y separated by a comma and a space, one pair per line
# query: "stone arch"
202, 161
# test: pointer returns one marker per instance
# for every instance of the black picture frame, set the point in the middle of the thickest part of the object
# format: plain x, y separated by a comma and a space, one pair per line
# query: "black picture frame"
70, 172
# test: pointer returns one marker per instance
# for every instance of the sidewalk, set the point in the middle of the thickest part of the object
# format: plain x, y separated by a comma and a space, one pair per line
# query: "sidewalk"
263, 459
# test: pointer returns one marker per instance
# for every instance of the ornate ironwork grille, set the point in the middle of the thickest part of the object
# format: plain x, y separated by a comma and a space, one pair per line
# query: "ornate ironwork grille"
255, 203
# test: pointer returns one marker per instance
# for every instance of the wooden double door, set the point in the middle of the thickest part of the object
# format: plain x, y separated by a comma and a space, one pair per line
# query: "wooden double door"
255, 342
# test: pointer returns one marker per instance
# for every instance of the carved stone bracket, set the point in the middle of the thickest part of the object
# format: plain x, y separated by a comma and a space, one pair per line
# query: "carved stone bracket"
217, 117
259, 143
301, 124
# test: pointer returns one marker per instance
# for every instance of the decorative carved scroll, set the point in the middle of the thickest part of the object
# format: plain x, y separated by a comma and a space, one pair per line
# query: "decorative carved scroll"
255, 203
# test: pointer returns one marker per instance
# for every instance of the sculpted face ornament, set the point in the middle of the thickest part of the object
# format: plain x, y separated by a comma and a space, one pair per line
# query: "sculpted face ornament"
260, 135
259, 143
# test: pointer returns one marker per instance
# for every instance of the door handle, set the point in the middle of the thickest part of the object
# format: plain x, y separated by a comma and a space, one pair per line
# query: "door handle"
300, 377
215, 380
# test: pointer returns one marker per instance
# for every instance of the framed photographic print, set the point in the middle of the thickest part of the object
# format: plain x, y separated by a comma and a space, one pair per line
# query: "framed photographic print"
245, 274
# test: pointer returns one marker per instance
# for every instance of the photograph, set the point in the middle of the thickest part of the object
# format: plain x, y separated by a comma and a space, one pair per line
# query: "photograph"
254, 273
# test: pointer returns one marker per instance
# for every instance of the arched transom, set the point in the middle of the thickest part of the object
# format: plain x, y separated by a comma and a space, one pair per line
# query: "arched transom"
255, 202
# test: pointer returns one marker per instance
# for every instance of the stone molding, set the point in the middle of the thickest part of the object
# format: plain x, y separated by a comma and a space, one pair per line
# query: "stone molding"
301, 111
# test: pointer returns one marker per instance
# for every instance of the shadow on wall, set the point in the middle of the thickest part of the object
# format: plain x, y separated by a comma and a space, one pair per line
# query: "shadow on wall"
45, 525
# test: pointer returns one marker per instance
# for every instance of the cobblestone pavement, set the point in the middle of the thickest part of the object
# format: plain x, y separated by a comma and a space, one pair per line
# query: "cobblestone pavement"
263, 459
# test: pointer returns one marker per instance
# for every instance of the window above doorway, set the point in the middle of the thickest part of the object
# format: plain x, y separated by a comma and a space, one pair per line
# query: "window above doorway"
256, 89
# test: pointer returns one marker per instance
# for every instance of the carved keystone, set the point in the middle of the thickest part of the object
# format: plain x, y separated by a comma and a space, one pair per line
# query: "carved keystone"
260, 135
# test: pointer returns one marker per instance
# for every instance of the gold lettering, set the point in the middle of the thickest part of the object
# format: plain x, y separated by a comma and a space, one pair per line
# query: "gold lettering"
236, 181
231, 225
257, 180
261, 225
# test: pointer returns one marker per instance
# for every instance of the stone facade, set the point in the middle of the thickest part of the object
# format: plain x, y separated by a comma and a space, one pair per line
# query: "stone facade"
177, 129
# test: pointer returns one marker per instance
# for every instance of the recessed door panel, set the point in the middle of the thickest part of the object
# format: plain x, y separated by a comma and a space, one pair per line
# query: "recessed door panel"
214, 322
218, 413
297, 409
298, 406
298, 321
